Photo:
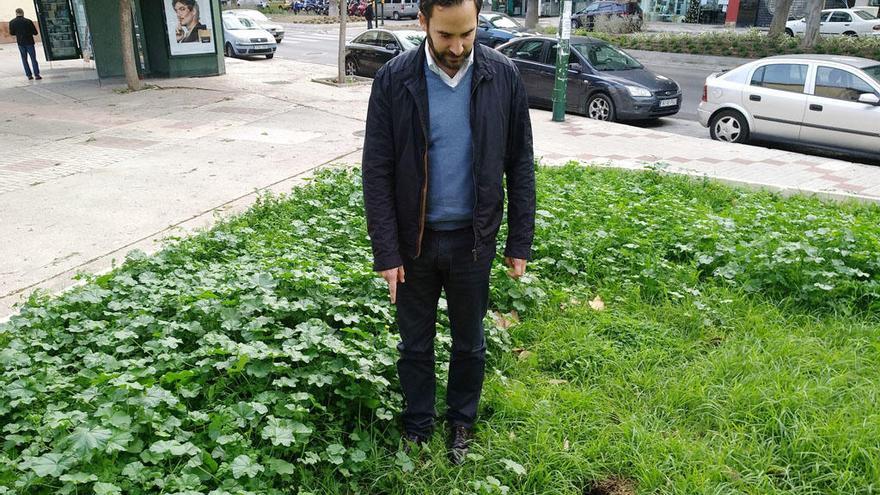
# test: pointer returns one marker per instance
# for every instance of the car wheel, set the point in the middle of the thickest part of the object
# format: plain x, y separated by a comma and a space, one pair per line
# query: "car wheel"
351, 67
395, 16
269, 55
730, 126
600, 107
229, 51
851, 34
789, 32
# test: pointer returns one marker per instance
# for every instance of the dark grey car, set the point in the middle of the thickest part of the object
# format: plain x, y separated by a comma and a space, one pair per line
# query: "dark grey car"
367, 53
604, 82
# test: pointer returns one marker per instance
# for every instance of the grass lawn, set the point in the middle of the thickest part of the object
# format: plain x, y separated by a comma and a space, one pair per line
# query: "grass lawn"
671, 336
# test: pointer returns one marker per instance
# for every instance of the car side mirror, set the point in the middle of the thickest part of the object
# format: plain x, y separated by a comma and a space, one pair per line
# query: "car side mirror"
392, 47
869, 98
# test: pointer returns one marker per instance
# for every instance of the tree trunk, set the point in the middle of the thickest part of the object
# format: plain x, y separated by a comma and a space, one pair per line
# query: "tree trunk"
125, 30
343, 15
780, 17
814, 14
532, 14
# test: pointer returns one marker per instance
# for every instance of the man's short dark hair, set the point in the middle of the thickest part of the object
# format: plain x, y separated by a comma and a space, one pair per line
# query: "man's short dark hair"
191, 4
427, 6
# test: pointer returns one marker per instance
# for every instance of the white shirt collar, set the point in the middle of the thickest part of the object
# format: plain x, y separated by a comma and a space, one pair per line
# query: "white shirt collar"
450, 81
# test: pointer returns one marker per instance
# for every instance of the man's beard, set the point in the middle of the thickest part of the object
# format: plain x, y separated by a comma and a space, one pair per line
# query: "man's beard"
447, 60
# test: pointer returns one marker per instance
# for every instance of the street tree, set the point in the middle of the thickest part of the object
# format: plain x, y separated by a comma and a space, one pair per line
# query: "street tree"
814, 14
343, 15
128, 62
532, 14
693, 12
780, 16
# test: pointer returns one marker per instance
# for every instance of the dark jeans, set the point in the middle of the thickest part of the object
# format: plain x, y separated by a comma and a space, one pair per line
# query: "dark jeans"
369, 24
446, 262
26, 50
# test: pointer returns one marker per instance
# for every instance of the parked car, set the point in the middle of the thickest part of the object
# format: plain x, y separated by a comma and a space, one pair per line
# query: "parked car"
586, 18
818, 100
260, 19
496, 29
367, 53
398, 9
243, 37
848, 22
604, 82
309, 6
869, 6
252, 3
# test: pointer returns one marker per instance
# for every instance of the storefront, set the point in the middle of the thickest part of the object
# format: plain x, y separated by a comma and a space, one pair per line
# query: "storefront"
172, 38
711, 11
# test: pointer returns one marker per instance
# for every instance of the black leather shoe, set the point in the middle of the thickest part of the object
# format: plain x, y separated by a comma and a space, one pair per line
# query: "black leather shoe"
38, 78
459, 443
413, 442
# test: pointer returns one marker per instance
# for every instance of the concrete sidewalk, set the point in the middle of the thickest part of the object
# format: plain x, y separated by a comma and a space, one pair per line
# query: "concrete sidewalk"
91, 172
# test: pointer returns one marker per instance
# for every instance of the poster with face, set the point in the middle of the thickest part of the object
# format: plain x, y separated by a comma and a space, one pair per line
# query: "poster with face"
190, 26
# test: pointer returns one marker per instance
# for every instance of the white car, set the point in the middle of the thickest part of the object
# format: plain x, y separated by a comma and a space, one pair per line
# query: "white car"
848, 22
243, 37
825, 101
262, 21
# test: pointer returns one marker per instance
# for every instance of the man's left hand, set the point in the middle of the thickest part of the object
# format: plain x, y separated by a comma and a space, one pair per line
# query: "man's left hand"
516, 265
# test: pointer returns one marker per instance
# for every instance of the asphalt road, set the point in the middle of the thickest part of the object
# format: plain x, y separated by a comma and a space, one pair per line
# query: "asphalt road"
318, 44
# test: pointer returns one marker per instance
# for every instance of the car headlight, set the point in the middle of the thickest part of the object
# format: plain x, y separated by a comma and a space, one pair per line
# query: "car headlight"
638, 91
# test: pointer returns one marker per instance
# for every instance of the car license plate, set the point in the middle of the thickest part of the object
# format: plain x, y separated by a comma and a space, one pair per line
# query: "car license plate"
669, 103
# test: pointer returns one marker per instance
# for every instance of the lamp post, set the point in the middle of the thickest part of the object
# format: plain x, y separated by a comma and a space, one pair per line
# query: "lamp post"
562, 52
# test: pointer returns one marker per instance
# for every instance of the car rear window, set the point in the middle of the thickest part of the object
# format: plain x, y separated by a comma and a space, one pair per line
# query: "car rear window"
781, 77
873, 71
865, 15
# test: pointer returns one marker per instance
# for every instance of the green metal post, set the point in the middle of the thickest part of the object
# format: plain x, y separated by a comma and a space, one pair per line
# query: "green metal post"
562, 52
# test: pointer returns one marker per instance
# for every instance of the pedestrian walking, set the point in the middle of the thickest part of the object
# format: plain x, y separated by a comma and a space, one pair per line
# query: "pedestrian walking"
446, 123
24, 31
368, 14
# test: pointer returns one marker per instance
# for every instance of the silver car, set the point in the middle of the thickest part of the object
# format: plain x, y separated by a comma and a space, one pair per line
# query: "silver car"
826, 101
848, 22
243, 37
277, 30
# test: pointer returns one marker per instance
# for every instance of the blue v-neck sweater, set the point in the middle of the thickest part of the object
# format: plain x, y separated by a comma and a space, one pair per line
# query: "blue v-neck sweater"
450, 154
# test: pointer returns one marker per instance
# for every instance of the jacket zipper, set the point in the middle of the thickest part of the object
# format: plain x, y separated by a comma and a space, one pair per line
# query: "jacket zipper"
474, 168
424, 190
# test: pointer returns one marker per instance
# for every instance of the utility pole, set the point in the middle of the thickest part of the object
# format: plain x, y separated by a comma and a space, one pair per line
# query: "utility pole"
562, 52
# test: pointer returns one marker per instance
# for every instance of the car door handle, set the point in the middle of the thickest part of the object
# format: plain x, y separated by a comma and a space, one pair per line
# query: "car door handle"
755, 97
816, 108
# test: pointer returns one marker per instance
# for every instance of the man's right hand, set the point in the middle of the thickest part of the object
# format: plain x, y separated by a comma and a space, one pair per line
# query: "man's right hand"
392, 277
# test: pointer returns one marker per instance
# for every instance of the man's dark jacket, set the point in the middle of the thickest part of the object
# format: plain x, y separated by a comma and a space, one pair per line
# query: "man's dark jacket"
395, 159
23, 29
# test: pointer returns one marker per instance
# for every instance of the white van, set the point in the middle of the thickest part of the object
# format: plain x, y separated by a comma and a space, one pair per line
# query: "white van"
872, 6
398, 9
